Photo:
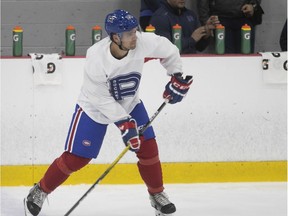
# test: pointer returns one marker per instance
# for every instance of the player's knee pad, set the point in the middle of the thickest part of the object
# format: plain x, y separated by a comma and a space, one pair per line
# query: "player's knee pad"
148, 153
69, 163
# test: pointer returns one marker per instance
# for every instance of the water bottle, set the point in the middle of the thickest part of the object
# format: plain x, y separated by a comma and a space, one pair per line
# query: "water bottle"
96, 34
176, 36
220, 39
150, 28
70, 40
17, 41
246, 39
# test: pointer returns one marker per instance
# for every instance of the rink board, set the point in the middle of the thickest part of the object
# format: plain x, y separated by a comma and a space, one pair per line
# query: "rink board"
231, 127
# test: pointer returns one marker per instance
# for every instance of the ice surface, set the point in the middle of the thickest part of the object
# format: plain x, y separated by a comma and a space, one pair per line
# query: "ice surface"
224, 199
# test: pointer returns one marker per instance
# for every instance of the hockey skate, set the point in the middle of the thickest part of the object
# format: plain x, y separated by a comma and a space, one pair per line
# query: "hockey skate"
162, 205
34, 201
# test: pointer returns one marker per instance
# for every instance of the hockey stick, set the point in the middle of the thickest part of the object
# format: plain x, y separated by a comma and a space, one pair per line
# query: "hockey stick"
118, 158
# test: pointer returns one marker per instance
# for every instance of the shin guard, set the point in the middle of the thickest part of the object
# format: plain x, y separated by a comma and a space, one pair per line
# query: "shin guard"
150, 167
61, 169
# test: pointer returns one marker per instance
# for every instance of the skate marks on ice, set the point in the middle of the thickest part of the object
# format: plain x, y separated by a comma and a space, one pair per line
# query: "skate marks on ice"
237, 199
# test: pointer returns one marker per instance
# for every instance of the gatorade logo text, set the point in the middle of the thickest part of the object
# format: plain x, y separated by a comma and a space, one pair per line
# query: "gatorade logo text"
247, 36
285, 65
97, 37
177, 36
72, 37
220, 36
276, 55
265, 64
38, 56
16, 38
51, 67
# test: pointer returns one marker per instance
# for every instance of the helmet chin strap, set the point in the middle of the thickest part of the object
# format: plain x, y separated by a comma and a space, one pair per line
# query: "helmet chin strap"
120, 45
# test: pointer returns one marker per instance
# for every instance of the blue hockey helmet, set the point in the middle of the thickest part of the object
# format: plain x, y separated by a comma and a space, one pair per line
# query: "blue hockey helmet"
120, 21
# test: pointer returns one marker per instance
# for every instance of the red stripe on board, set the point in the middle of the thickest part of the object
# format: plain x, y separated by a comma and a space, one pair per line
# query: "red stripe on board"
151, 58
28, 57
223, 55
72, 133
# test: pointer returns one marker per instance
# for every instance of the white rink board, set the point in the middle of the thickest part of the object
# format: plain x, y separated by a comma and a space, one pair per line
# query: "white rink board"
230, 114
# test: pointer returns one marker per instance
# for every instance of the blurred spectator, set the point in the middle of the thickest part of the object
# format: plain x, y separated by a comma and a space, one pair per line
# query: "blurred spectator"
194, 36
283, 38
233, 14
147, 8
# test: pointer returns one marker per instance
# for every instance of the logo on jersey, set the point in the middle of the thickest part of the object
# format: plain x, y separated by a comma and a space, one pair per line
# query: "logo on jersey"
124, 85
86, 143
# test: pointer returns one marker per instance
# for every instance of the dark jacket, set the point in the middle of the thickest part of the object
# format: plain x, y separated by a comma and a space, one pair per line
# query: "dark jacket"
148, 7
283, 38
222, 8
166, 17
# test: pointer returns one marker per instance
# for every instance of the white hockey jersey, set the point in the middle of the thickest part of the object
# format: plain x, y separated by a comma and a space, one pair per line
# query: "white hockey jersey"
110, 86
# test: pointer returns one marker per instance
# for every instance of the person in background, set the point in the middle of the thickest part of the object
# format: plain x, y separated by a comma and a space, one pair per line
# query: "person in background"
283, 38
195, 38
110, 95
147, 8
233, 14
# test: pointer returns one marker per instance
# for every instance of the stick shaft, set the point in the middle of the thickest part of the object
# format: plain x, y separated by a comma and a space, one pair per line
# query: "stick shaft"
99, 179
152, 118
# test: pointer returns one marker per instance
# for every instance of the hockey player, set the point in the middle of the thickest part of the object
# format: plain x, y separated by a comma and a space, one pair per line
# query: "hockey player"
110, 94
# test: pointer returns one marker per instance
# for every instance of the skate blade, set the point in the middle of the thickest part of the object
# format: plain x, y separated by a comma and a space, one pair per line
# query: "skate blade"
158, 213
26, 211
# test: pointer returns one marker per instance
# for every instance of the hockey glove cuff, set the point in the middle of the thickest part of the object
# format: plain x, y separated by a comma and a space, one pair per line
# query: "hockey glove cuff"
130, 133
177, 88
